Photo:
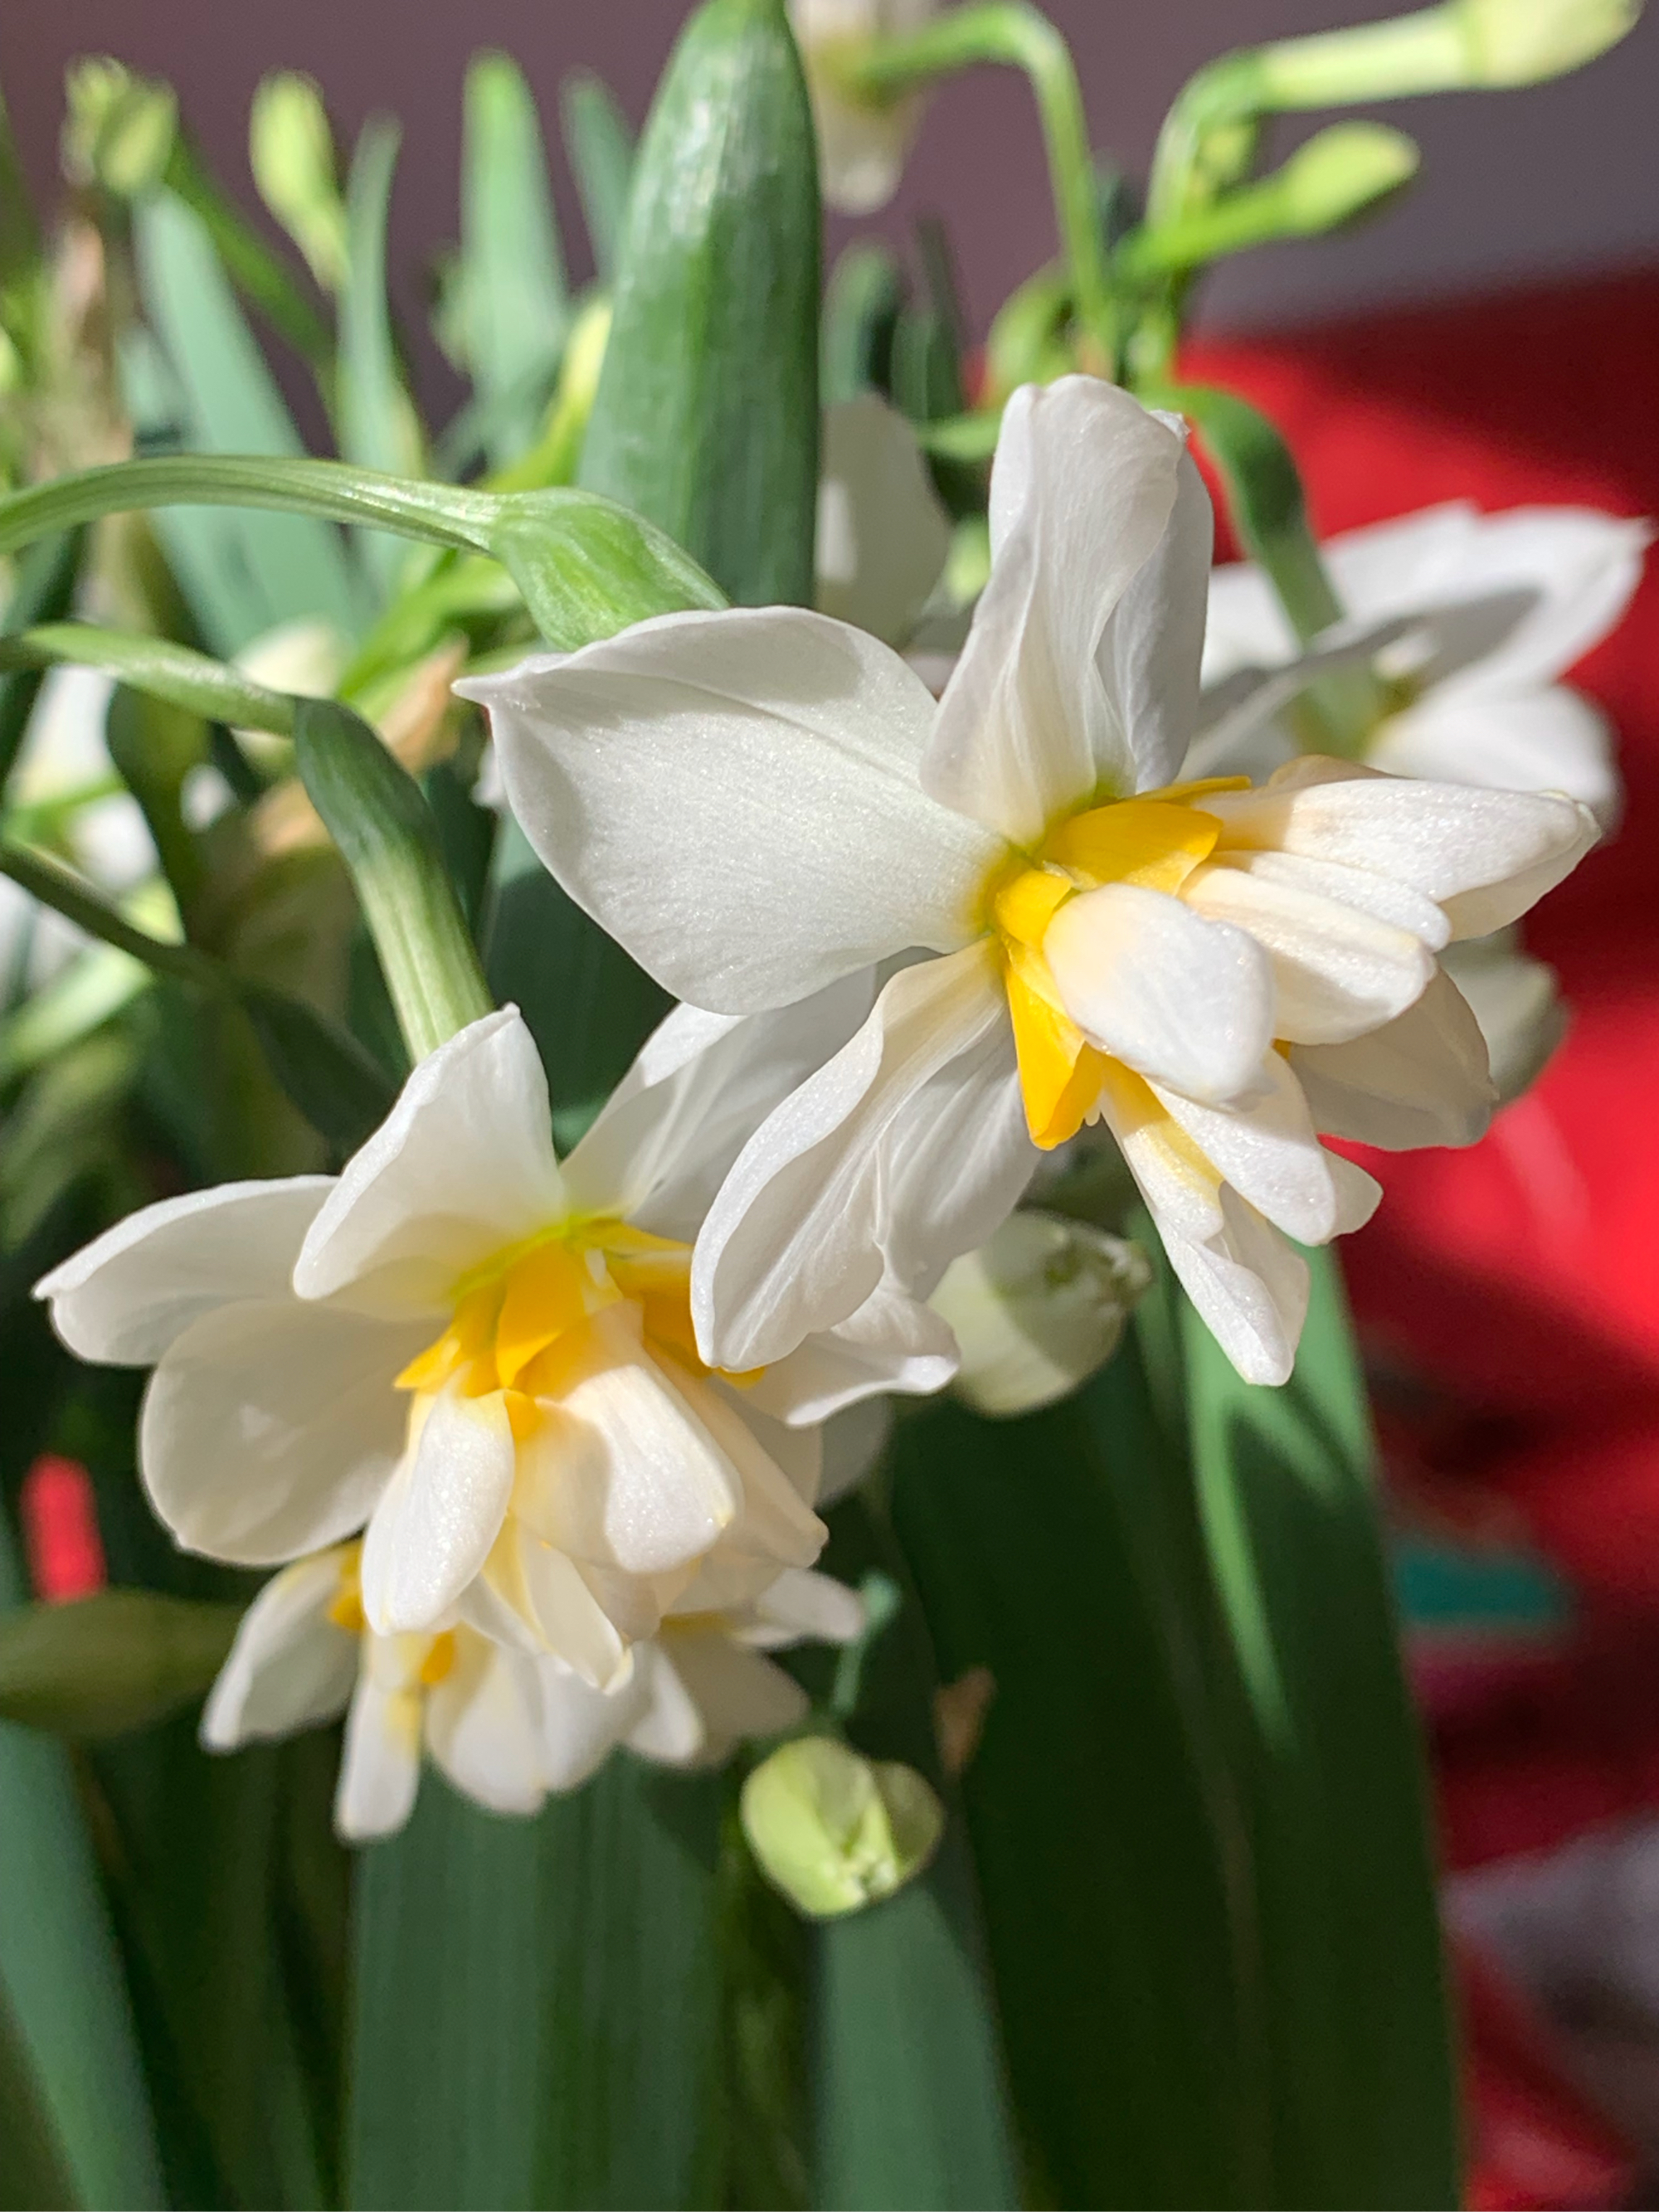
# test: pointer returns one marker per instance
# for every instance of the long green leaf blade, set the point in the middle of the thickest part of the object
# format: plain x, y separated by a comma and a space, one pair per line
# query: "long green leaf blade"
287, 567
1363, 2101
376, 421
515, 300
60, 1980
600, 147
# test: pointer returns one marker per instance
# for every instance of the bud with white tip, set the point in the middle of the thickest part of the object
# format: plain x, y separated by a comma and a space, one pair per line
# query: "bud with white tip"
1037, 1308
835, 1832
862, 143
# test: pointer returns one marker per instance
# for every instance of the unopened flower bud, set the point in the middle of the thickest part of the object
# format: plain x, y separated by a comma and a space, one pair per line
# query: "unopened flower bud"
862, 143
835, 1832
1341, 172
1037, 1308
120, 128
291, 152
1524, 41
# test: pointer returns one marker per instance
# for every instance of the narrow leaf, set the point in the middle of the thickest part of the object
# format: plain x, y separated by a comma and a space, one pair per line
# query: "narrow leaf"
118, 1660
862, 306
294, 567
376, 421
155, 666
600, 147
516, 301
1356, 2028
43, 594
60, 1981
373, 811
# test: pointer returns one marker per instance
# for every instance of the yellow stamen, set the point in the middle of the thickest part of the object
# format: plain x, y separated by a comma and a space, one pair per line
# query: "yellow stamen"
1059, 1072
548, 1291
1025, 906
1140, 841
346, 1608
439, 1660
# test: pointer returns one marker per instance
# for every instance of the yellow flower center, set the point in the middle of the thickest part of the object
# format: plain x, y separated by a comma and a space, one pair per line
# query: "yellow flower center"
520, 1320
1155, 841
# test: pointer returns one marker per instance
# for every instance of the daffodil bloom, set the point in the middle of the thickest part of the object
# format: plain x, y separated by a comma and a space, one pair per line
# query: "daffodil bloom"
485, 1360
1499, 607
1491, 611
862, 143
760, 801
505, 1727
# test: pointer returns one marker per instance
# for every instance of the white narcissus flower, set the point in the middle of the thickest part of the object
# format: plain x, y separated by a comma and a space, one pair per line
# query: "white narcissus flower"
1501, 606
862, 143
487, 1357
883, 535
760, 801
505, 1727
1497, 608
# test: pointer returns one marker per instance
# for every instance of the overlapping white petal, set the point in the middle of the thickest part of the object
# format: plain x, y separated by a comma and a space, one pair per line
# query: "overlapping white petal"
883, 535
290, 1666
767, 757
1079, 674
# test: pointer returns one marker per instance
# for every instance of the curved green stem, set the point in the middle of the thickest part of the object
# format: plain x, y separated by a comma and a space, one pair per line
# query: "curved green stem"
1009, 31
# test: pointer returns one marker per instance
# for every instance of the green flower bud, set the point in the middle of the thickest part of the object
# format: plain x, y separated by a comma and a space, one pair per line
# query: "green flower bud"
1038, 1308
1525, 41
835, 1832
1341, 172
291, 150
118, 128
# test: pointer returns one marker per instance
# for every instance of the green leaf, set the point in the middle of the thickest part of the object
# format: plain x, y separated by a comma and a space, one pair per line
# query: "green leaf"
911, 2108
153, 745
372, 809
117, 1660
263, 279
321, 1067
588, 1006
515, 303
282, 568
584, 567
33, 2171
1356, 2028
43, 594
600, 148
1061, 1552
378, 428
60, 1981
158, 667
862, 306
536, 2002
707, 414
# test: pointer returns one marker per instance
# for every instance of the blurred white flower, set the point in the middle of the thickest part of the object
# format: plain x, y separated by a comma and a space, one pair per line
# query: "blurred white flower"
883, 535
487, 1358
862, 143
505, 1727
758, 802
1492, 611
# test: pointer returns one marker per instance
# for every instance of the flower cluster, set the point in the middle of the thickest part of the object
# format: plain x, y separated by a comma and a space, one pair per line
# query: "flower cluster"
538, 1443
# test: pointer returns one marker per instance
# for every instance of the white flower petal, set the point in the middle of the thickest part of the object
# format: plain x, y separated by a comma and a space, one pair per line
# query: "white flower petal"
1545, 740
734, 796
668, 1134
580, 1725
290, 1665
893, 1342
380, 1763
270, 1430
671, 1728
1268, 1151
1083, 488
1337, 972
439, 1515
1358, 1194
549, 1603
463, 1165
485, 1727
737, 1692
123, 1299
1181, 998
883, 535
1420, 1080
1483, 856
854, 1440
801, 1604
620, 1471
776, 1520
1380, 896
1250, 1287
798, 1236
1518, 1004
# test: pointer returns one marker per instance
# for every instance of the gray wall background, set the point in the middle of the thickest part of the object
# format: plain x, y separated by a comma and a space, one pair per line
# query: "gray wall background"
1515, 185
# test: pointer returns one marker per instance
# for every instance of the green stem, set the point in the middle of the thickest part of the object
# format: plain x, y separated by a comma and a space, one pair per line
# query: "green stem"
63, 890
158, 667
1009, 31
